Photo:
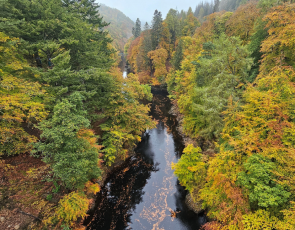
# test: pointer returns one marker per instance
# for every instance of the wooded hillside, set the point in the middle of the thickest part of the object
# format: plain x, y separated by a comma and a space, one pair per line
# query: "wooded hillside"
120, 27
231, 76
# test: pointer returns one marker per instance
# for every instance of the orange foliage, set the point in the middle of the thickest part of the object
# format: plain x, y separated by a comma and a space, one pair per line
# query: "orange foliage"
159, 58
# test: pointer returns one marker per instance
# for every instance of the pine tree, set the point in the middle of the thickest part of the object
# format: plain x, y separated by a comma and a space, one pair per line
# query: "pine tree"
178, 56
157, 29
146, 26
173, 25
216, 6
136, 31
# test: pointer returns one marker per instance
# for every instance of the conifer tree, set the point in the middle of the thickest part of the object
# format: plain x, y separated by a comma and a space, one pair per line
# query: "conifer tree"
157, 29
136, 31
68, 147
216, 6
173, 25
146, 26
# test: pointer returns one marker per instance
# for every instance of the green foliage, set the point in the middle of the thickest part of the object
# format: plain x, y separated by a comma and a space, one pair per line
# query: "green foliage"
178, 56
49, 197
47, 28
190, 169
136, 31
72, 158
254, 48
157, 29
217, 78
259, 179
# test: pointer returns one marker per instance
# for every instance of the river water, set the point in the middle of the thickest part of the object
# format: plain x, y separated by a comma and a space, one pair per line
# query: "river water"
144, 191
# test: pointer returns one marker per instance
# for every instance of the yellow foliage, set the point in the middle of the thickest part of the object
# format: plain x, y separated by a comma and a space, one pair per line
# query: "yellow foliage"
261, 219
159, 58
71, 207
91, 188
19, 100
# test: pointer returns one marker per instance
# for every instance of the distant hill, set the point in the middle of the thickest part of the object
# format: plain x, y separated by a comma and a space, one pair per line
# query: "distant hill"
121, 26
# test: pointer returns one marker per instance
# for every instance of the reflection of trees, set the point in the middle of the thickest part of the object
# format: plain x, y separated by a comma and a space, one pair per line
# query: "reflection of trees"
125, 188
189, 219
121, 194
161, 106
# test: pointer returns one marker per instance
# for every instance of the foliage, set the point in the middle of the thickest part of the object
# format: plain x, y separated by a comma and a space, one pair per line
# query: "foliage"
217, 79
136, 31
69, 147
157, 29
261, 219
159, 58
258, 178
120, 27
190, 169
279, 45
21, 100
71, 207
127, 118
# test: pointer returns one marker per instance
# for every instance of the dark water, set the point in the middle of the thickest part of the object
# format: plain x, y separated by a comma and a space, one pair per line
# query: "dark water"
141, 194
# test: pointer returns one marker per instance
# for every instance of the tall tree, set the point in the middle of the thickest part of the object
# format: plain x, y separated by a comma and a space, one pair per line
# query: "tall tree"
136, 31
157, 29
68, 147
173, 25
216, 6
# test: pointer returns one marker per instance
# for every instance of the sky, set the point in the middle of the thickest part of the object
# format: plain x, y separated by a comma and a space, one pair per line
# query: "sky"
144, 9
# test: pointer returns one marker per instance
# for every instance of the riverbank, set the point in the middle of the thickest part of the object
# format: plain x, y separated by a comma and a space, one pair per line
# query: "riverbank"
143, 192
208, 150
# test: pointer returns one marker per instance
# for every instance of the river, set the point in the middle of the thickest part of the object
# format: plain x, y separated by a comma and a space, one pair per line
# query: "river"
142, 193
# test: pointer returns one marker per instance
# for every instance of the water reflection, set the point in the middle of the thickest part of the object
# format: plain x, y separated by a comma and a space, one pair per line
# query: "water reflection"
143, 193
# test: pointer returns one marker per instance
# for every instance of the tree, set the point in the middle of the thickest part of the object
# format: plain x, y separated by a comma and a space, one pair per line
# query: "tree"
46, 27
217, 79
146, 26
260, 181
178, 56
69, 147
136, 31
216, 6
21, 99
159, 57
241, 23
279, 45
190, 169
126, 117
173, 25
157, 29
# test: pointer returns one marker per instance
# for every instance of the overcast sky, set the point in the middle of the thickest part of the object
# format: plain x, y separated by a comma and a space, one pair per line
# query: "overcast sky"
144, 9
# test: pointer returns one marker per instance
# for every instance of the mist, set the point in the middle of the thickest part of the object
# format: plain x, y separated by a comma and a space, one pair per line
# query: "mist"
144, 10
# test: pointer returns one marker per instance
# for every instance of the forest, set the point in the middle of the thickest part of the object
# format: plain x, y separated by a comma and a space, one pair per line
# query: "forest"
64, 107
67, 115
229, 69
120, 26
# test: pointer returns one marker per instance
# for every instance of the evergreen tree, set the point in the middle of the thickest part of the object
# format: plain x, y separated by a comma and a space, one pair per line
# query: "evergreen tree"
146, 48
216, 6
146, 26
136, 31
173, 25
67, 146
157, 29
178, 56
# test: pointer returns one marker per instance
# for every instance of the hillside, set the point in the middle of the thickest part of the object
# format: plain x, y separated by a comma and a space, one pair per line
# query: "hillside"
121, 26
